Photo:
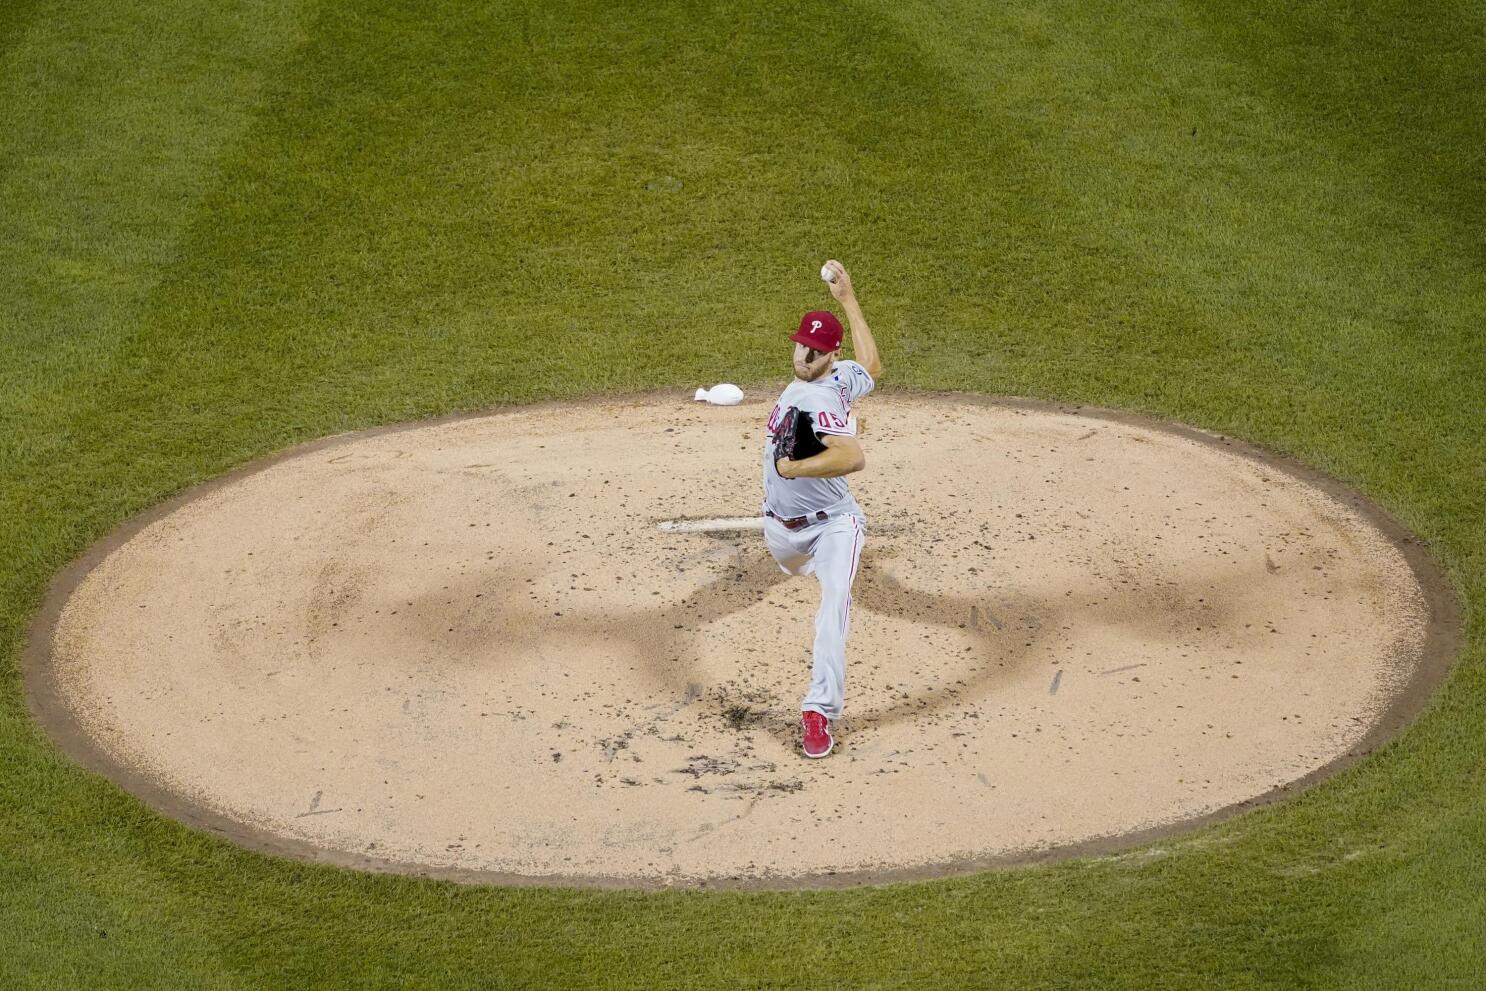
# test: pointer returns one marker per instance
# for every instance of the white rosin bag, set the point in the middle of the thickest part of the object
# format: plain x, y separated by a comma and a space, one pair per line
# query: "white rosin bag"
722, 394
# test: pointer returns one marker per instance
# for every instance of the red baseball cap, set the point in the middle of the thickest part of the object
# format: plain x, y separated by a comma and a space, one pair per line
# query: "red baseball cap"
819, 329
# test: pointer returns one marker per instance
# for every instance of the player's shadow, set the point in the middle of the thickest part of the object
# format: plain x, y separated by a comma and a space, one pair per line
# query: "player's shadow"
1003, 626
1008, 626
1002, 629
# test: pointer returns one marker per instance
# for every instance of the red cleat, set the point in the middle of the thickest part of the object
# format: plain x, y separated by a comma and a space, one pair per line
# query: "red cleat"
817, 727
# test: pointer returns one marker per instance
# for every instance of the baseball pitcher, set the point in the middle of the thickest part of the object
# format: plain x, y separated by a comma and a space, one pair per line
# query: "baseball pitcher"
812, 523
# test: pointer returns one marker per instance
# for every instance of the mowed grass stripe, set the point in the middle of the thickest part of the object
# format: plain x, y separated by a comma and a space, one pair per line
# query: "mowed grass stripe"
112, 127
454, 206
112, 120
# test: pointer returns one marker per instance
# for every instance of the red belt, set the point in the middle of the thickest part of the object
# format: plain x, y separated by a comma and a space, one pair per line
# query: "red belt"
796, 522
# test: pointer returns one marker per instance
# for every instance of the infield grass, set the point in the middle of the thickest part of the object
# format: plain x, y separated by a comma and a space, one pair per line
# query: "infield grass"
229, 227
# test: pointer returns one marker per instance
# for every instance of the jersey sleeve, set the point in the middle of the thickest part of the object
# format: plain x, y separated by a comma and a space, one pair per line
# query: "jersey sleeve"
855, 378
830, 418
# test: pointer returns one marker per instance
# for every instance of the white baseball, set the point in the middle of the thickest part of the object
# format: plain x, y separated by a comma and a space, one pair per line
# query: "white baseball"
827, 274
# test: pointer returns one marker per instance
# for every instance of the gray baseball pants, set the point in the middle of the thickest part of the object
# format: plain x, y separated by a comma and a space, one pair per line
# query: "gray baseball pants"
831, 550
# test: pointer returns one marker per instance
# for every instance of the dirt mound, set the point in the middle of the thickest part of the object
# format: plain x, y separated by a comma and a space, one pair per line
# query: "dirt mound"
469, 648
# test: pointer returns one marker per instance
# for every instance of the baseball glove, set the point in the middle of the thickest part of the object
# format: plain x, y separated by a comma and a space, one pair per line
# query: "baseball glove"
796, 438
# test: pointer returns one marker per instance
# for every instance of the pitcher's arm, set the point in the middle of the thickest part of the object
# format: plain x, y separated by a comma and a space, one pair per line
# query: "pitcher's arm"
842, 456
863, 347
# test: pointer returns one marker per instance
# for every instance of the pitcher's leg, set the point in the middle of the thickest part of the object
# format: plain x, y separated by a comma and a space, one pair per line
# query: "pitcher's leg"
838, 552
785, 549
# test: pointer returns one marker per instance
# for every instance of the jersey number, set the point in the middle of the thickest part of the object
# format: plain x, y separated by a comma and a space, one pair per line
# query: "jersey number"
824, 419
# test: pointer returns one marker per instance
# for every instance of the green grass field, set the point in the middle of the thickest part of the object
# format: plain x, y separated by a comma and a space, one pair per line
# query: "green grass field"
229, 227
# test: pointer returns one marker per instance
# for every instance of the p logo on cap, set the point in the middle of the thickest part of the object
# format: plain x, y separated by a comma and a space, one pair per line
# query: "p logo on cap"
819, 329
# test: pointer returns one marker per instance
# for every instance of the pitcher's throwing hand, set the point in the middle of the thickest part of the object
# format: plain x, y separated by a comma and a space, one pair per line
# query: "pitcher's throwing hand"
840, 283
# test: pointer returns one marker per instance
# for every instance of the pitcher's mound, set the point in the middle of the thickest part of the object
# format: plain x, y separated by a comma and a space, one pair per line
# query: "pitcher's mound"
468, 648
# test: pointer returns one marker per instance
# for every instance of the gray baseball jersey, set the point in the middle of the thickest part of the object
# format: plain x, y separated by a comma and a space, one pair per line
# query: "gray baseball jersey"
828, 401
